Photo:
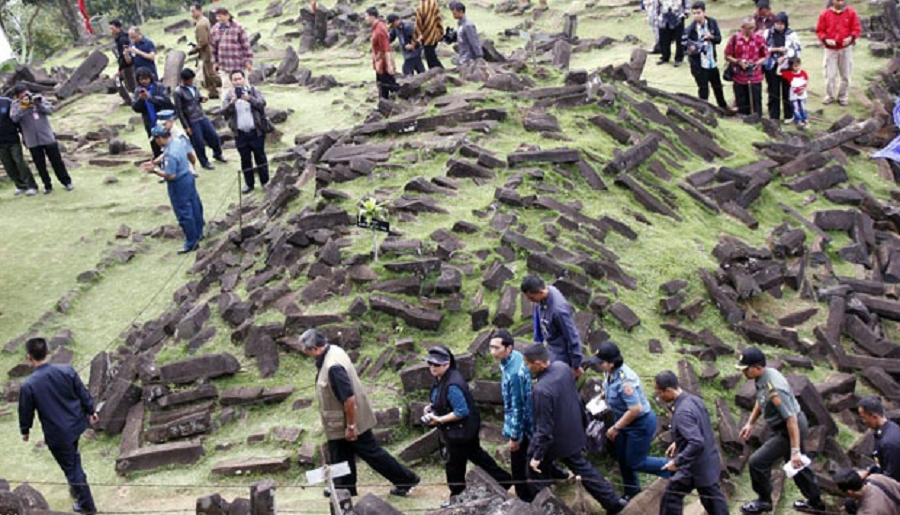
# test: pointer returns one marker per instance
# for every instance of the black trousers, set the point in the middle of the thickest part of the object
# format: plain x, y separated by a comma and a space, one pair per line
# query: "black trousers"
668, 36
460, 453
777, 450
711, 497
387, 84
368, 449
518, 462
748, 98
413, 65
252, 147
69, 460
593, 481
40, 154
706, 79
202, 134
779, 91
431, 57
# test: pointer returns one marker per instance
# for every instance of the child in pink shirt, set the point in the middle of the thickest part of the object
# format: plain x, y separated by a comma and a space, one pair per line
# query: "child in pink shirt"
798, 80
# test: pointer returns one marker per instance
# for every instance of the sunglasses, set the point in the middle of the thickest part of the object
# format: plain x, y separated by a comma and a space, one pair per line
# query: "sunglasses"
433, 364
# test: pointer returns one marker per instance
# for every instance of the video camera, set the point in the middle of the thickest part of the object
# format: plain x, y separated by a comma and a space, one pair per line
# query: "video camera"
449, 36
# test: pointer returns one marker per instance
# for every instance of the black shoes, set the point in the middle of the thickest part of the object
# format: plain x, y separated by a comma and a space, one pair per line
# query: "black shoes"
246, 189
676, 64
662, 61
185, 250
208, 166
810, 506
403, 491
756, 506
220, 158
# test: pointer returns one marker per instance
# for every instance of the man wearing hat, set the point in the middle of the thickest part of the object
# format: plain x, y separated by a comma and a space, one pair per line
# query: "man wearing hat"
166, 119
348, 418
553, 323
775, 401
230, 47
412, 51
150, 98
558, 430
175, 170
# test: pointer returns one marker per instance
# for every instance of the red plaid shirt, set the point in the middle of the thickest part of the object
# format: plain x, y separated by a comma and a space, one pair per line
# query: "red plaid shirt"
231, 47
752, 50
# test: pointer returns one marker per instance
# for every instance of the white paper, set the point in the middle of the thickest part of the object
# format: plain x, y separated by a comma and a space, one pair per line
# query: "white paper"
789, 469
317, 476
596, 406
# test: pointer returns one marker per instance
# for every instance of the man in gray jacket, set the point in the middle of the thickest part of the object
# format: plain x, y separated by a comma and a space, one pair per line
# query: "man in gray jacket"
32, 113
467, 42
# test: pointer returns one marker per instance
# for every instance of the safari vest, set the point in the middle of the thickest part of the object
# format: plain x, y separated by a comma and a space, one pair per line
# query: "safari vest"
330, 408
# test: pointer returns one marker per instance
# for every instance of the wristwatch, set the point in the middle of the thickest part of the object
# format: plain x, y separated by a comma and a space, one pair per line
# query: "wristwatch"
351, 426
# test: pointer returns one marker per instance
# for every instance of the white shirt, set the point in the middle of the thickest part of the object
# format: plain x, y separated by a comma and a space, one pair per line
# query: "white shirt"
244, 115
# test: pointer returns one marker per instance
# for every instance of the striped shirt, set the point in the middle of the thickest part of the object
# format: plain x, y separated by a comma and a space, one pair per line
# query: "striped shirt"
429, 29
231, 47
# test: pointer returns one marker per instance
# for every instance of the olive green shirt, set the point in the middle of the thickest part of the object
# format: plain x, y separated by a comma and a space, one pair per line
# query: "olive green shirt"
775, 398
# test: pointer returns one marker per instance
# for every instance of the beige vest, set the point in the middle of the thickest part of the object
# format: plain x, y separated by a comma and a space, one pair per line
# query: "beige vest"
331, 409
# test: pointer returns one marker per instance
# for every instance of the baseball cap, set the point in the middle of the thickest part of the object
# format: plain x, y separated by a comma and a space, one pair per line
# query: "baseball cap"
606, 352
751, 356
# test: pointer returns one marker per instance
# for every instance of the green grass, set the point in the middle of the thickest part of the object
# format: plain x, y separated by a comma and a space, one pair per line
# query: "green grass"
50, 240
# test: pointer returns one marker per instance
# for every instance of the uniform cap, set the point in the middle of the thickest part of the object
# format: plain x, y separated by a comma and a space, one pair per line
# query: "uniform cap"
607, 352
751, 356
165, 115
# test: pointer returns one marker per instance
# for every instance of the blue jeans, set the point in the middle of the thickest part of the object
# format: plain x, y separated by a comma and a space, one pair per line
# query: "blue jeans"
188, 208
632, 449
800, 113
203, 133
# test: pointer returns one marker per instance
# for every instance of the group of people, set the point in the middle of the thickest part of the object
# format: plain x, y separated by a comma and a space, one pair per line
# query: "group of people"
765, 49
417, 39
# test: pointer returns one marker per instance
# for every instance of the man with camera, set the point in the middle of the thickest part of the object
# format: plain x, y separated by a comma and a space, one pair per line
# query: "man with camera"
11, 152
746, 52
32, 113
150, 98
348, 418
245, 109
142, 52
467, 42
700, 40
202, 49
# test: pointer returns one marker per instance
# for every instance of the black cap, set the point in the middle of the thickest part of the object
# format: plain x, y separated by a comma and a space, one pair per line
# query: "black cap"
391, 18
607, 352
751, 356
438, 355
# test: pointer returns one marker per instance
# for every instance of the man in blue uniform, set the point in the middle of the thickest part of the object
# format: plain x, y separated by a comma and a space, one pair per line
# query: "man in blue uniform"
180, 182
65, 407
693, 456
558, 429
553, 323
775, 401
518, 422
887, 437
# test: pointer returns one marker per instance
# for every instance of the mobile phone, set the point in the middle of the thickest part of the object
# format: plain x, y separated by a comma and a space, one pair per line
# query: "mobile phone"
238, 92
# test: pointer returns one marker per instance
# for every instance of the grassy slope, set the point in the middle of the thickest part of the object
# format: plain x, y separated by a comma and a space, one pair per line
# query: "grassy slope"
44, 258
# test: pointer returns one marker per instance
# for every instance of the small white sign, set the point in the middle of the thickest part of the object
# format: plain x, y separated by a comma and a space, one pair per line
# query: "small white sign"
320, 475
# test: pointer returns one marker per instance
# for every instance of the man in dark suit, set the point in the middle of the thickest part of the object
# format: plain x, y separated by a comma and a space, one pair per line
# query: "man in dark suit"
693, 456
558, 429
65, 407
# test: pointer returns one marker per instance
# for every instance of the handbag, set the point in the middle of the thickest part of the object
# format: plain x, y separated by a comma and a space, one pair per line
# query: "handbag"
728, 75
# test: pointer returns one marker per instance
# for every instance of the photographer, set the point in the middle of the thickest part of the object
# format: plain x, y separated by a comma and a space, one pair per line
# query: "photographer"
245, 109
183, 195
746, 52
32, 113
141, 53
453, 410
700, 40
468, 44
150, 97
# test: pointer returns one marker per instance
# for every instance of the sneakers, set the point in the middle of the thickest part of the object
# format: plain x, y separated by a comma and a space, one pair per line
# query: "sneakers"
18, 192
809, 506
756, 506
30, 192
828, 100
403, 491
69, 187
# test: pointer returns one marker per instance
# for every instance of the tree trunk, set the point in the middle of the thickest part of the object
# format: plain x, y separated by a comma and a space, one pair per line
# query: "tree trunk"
71, 18
27, 47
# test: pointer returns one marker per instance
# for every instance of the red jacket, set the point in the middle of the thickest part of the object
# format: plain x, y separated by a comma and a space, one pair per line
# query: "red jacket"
838, 27
382, 58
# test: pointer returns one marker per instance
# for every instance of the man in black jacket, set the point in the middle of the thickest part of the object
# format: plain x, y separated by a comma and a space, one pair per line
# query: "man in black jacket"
65, 407
412, 51
700, 40
125, 82
11, 152
887, 437
150, 97
693, 456
189, 109
559, 430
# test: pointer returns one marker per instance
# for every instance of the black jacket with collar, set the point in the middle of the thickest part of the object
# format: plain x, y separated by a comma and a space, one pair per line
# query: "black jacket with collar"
187, 106
9, 130
159, 99
558, 414
692, 33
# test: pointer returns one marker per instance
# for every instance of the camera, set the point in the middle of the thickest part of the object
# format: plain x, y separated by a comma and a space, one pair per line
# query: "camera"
449, 36
426, 419
37, 99
751, 66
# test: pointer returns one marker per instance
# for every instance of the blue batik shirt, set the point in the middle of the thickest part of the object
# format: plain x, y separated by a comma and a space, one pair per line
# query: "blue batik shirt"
518, 418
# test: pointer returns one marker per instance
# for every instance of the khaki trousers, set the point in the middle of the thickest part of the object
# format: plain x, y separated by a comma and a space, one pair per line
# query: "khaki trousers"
838, 67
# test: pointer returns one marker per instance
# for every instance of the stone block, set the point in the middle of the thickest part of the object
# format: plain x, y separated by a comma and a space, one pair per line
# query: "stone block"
244, 466
156, 456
